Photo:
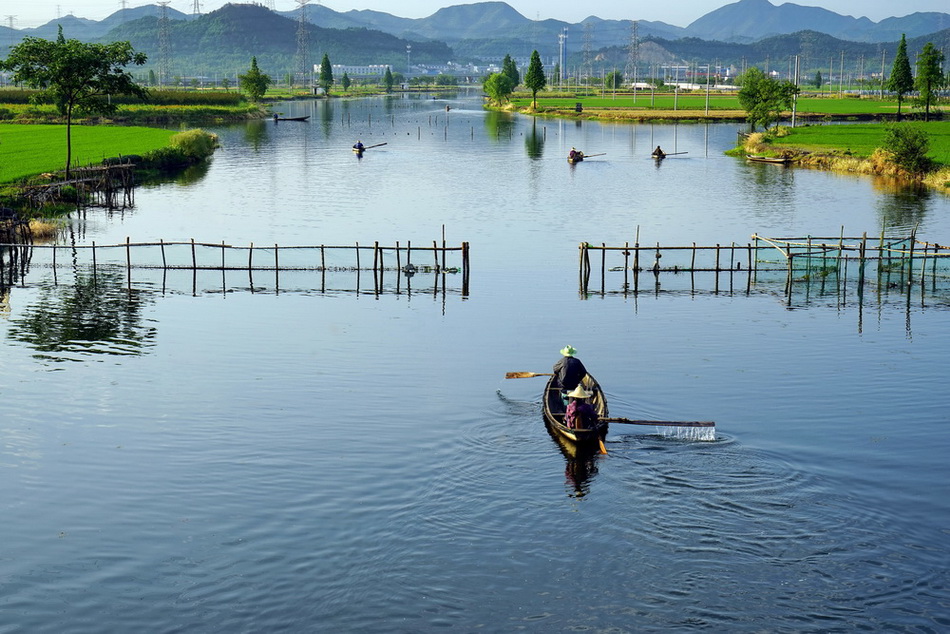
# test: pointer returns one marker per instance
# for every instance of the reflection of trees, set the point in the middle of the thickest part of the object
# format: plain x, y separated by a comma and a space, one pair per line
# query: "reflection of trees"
193, 173
534, 142
95, 315
326, 118
901, 205
499, 124
255, 132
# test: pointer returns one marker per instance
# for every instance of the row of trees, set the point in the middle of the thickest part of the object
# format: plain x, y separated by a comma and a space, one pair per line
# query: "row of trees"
930, 76
499, 86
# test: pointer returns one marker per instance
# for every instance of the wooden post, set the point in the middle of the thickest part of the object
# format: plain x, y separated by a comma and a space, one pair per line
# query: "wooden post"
357, 260
250, 259
465, 269
603, 266
222, 255
435, 255
194, 260
93, 257
749, 246
398, 261
443, 247
626, 259
910, 261
54, 263
128, 256
717, 259
732, 256
692, 261
161, 243
375, 254
276, 259
323, 259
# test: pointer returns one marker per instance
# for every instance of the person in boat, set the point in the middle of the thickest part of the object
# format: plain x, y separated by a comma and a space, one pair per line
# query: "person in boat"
659, 153
275, 116
569, 371
580, 413
575, 154
358, 146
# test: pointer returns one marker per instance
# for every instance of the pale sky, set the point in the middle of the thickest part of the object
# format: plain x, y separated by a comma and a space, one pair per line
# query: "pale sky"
34, 13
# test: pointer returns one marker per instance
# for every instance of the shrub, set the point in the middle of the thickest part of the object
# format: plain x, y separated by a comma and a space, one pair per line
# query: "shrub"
195, 144
908, 146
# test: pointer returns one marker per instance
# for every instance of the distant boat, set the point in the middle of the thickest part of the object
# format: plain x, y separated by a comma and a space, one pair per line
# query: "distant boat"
304, 118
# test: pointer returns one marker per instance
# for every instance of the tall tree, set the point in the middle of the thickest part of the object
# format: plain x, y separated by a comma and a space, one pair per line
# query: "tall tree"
930, 77
763, 98
818, 79
901, 80
510, 70
498, 88
613, 80
345, 82
388, 80
534, 79
78, 77
326, 74
254, 83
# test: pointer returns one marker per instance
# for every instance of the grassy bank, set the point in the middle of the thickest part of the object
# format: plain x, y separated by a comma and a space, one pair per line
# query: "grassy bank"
29, 150
861, 139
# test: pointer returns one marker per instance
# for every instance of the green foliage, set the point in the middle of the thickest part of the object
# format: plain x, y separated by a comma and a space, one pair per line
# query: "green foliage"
613, 80
345, 82
195, 144
534, 79
930, 77
78, 77
326, 74
901, 80
818, 79
498, 88
388, 80
446, 80
763, 98
510, 70
254, 83
908, 145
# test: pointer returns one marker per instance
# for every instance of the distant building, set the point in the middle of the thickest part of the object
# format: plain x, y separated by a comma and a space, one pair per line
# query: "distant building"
367, 70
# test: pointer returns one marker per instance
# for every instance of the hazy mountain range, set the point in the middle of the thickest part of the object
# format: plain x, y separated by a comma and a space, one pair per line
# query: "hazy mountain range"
748, 31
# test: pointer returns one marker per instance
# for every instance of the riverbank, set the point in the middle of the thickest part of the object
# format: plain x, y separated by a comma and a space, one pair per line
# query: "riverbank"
855, 149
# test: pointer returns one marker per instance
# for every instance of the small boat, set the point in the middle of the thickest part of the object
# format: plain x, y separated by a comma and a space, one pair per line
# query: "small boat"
359, 151
303, 118
776, 160
577, 158
554, 408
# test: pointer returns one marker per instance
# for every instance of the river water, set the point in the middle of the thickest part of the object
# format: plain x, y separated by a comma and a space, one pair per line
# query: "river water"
207, 452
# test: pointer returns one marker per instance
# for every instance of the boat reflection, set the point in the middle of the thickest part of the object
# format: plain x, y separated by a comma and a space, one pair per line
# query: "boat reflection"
581, 463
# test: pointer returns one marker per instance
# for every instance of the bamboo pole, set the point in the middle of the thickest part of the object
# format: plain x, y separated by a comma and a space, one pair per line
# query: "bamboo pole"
718, 250
603, 268
222, 255
194, 259
164, 262
357, 260
435, 254
323, 259
692, 260
276, 258
250, 258
626, 260
443, 247
398, 262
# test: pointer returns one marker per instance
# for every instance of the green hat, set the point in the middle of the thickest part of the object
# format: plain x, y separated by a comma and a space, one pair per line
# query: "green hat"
568, 351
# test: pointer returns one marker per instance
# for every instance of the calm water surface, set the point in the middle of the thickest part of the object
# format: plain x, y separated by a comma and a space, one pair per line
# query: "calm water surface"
183, 454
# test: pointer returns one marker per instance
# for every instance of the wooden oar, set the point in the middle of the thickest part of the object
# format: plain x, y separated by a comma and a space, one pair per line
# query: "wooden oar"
377, 145
525, 375
662, 423
587, 156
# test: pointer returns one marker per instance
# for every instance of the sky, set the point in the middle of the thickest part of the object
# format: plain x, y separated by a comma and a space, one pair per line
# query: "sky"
678, 13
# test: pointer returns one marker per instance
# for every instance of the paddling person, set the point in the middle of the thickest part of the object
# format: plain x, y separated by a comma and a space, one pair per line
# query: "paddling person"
358, 146
569, 371
575, 154
659, 153
580, 413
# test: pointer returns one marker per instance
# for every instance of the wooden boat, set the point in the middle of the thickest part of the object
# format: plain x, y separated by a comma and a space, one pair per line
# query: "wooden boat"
359, 151
554, 408
303, 118
776, 160
577, 158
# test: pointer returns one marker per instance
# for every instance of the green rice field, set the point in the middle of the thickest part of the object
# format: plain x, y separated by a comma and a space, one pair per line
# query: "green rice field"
861, 139
26, 150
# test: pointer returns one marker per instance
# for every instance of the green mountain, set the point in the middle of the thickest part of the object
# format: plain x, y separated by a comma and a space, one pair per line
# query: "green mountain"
222, 43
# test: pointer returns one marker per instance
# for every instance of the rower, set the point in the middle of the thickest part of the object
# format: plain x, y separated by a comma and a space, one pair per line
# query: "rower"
659, 153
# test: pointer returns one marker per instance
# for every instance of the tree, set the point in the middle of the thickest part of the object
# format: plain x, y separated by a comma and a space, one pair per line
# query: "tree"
345, 82
818, 79
930, 77
498, 88
613, 80
510, 70
78, 77
388, 80
326, 74
225, 83
901, 80
254, 83
763, 98
534, 79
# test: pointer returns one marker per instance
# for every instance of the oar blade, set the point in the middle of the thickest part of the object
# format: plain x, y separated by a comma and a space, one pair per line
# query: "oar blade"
525, 375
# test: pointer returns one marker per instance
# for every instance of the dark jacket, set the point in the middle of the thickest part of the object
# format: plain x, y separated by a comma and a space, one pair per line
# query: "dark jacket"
568, 372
